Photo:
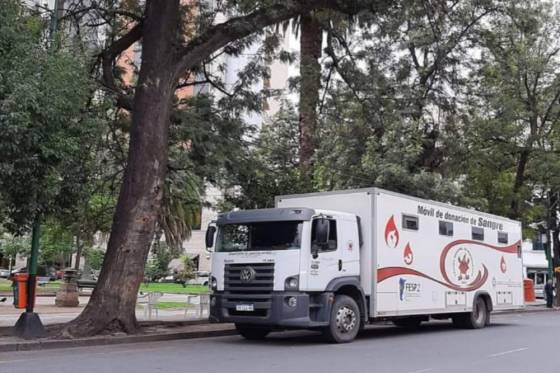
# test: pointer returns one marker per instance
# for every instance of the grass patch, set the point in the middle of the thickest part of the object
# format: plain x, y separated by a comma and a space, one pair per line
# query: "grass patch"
171, 305
173, 288
53, 286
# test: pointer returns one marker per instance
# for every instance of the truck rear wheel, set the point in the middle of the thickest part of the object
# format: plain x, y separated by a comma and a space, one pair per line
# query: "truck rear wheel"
251, 332
345, 320
477, 319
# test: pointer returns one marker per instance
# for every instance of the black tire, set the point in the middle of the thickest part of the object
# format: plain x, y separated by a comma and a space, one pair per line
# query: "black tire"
477, 319
345, 320
252, 333
408, 322
458, 321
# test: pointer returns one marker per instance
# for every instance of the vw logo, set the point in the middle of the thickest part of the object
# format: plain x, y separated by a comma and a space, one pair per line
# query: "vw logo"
247, 274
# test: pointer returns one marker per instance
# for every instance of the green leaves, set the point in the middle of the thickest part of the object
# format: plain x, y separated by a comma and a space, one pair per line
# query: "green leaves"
42, 126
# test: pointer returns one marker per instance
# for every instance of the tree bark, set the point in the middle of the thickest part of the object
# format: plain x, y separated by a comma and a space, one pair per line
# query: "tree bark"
112, 304
554, 228
518, 183
311, 40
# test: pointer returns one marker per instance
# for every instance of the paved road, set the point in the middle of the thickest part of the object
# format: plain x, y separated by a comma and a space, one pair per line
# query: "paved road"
514, 343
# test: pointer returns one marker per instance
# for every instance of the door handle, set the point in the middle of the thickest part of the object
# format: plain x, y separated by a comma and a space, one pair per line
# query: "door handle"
340, 264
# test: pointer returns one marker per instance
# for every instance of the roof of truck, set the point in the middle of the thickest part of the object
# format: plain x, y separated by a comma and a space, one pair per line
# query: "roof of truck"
264, 215
372, 190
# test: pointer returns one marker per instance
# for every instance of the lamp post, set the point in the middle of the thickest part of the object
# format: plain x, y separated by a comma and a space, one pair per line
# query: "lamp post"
548, 252
29, 324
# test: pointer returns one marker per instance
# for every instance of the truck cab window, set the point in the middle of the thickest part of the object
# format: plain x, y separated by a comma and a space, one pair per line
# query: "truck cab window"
333, 243
266, 236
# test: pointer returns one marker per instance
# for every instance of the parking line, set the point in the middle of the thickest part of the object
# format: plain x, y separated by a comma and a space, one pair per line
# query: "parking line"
508, 352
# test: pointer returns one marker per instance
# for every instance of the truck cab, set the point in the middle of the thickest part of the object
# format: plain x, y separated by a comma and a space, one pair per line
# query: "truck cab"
280, 268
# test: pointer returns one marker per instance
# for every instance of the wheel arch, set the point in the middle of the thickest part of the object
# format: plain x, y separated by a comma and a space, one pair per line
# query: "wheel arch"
486, 298
351, 287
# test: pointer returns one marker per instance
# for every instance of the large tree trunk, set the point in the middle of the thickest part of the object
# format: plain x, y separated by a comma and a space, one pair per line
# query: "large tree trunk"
554, 246
518, 183
311, 40
556, 263
112, 304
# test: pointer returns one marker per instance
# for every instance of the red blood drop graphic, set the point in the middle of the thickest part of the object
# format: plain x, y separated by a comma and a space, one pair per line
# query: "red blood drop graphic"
408, 256
391, 233
503, 266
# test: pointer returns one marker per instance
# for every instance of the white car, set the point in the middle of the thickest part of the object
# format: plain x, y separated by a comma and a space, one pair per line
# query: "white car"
4, 273
201, 278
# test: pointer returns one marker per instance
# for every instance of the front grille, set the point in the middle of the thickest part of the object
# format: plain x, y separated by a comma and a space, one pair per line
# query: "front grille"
257, 292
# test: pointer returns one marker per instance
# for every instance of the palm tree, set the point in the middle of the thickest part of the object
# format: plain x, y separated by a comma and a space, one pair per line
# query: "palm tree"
311, 40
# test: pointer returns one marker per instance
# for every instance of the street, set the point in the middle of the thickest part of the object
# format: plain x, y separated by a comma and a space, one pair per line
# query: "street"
513, 343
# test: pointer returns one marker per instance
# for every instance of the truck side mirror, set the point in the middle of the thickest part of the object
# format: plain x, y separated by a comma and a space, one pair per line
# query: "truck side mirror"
321, 231
210, 236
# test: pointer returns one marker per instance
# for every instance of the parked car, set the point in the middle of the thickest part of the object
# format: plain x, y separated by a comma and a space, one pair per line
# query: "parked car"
4, 273
201, 278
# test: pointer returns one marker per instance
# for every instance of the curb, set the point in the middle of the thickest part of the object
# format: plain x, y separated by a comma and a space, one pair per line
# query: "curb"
112, 340
526, 310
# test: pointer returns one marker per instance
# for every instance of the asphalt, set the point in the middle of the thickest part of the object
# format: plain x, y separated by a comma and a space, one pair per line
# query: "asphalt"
513, 343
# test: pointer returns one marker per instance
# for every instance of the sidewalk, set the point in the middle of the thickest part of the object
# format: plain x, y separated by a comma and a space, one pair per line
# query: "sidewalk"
153, 333
50, 314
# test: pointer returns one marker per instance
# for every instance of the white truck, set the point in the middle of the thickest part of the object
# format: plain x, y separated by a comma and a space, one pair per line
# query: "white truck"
337, 261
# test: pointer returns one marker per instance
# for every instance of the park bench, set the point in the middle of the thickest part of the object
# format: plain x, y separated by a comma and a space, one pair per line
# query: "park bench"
86, 284
43, 280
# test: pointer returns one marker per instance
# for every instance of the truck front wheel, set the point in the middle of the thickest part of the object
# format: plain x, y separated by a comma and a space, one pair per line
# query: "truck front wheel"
344, 322
252, 332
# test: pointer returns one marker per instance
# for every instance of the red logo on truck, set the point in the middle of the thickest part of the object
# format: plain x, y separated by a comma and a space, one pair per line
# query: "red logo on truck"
464, 266
408, 256
503, 266
391, 233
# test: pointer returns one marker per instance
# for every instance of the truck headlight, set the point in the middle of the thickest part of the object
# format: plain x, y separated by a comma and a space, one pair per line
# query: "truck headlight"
214, 283
291, 283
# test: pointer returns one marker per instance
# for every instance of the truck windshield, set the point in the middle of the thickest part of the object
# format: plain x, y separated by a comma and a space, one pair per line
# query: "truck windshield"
284, 235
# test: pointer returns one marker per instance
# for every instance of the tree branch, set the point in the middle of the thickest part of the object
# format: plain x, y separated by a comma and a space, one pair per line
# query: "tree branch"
108, 57
218, 36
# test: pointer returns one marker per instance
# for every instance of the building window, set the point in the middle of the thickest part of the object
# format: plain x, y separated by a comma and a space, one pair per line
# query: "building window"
445, 228
410, 222
478, 233
539, 243
502, 237
541, 279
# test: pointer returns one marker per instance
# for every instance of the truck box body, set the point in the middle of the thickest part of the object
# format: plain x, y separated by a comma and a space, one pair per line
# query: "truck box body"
420, 257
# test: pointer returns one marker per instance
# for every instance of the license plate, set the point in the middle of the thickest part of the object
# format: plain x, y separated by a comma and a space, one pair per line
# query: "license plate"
245, 307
